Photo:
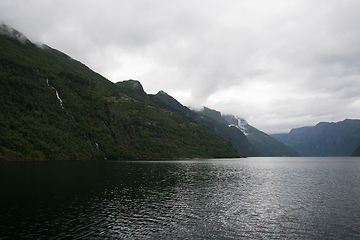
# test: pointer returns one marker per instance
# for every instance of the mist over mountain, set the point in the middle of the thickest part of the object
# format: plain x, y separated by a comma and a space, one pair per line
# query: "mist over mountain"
324, 139
54, 107
13, 33
246, 139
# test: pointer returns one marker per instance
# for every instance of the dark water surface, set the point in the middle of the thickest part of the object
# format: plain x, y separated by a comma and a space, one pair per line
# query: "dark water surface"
255, 198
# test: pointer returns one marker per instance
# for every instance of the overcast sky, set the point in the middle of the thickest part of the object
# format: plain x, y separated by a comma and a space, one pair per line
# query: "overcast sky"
279, 64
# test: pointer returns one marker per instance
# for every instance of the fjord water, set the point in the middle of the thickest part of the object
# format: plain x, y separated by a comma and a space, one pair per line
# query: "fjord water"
266, 198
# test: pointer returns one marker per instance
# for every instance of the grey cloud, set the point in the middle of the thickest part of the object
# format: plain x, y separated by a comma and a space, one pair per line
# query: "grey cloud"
277, 64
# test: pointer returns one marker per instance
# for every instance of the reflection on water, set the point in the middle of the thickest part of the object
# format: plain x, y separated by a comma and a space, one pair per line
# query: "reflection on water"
266, 198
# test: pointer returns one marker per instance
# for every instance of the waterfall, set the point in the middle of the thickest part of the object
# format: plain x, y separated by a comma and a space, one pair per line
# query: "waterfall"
57, 95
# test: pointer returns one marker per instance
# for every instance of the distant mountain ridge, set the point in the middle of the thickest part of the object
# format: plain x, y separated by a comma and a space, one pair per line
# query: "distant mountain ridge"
263, 144
324, 139
214, 120
246, 139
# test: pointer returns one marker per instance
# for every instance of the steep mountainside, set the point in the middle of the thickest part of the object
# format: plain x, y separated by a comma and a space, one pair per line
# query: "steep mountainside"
264, 145
133, 87
54, 107
324, 139
169, 100
245, 138
214, 121
356, 153
238, 139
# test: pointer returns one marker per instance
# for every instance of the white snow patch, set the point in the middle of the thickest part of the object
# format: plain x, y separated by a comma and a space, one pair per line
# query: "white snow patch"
242, 125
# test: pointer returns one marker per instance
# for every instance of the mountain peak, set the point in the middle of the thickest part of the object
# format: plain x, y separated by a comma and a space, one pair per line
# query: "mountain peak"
133, 86
13, 33
212, 113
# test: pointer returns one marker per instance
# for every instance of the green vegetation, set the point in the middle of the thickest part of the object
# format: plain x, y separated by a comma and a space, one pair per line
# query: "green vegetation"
156, 132
255, 143
54, 107
267, 146
215, 121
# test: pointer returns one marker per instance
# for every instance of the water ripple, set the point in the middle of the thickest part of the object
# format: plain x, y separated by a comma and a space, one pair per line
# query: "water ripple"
253, 198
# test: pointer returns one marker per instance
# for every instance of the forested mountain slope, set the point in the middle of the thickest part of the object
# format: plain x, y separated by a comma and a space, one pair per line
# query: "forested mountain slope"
245, 138
54, 107
263, 144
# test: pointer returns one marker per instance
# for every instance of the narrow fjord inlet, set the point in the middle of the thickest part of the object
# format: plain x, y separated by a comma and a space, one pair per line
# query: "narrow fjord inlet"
255, 198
